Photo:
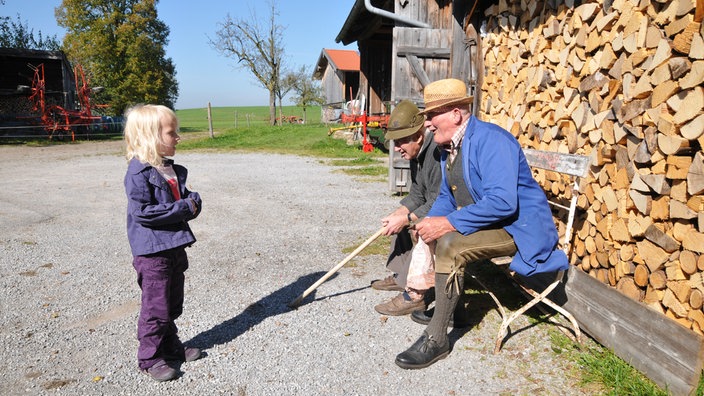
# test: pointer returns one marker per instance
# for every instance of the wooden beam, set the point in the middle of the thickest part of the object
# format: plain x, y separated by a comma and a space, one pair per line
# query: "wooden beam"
668, 353
422, 52
418, 70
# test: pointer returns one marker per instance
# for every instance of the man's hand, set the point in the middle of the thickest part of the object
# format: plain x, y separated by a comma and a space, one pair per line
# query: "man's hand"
432, 228
395, 222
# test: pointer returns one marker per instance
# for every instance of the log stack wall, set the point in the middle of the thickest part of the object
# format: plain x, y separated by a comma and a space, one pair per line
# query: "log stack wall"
620, 81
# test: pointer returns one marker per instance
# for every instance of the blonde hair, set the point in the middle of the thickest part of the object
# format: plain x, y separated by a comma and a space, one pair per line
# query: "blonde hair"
143, 132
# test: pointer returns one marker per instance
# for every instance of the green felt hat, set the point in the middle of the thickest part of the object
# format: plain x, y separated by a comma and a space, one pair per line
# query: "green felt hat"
405, 120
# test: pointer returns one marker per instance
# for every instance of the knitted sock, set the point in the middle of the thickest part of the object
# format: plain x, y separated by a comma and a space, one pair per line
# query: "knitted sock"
444, 307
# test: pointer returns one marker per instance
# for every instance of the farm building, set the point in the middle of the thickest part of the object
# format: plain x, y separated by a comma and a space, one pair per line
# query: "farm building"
619, 81
338, 71
41, 94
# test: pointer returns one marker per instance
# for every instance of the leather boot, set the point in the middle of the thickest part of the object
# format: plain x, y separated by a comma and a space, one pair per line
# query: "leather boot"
424, 352
460, 318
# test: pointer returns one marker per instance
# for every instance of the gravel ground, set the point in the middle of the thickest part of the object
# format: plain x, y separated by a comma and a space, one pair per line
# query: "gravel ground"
271, 226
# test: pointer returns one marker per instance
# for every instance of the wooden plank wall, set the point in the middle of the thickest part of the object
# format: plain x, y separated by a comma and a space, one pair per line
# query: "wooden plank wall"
421, 55
426, 48
332, 86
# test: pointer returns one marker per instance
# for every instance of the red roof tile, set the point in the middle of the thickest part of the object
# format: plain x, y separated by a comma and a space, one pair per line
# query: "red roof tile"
345, 60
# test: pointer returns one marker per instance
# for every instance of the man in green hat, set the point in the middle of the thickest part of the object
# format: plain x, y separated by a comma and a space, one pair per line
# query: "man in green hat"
415, 143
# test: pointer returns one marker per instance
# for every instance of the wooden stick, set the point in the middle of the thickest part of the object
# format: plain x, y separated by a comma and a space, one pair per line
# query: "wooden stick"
297, 301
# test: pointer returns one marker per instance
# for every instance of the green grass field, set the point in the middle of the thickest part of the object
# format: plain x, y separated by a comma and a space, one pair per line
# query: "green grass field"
251, 132
196, 120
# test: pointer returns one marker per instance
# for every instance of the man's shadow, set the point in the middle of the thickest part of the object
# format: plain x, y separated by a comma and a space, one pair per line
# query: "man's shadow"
271, 305
479, 303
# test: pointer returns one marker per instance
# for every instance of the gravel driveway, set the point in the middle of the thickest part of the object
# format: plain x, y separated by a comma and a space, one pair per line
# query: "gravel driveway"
271, 226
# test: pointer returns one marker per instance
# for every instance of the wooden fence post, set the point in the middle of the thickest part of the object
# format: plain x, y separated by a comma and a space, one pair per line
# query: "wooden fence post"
210, 121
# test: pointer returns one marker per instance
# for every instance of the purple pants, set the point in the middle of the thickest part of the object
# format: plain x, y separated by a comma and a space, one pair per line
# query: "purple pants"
161, 278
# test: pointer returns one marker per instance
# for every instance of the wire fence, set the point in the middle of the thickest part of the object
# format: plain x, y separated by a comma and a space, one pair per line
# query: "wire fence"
107, 127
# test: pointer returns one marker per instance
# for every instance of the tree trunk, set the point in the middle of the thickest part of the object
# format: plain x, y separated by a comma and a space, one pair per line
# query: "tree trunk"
272, 108
281, 112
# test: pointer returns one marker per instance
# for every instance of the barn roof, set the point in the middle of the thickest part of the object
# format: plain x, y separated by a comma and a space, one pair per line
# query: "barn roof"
345, 60
361, 23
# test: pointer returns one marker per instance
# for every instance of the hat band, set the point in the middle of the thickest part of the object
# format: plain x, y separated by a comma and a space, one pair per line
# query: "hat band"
442, 102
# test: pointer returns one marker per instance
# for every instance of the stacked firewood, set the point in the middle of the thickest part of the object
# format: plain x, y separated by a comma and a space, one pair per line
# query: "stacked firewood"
621, 82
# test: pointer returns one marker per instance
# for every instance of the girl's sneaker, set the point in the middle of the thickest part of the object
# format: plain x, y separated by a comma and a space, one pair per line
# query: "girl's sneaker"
161, 371
184, 354
190, 354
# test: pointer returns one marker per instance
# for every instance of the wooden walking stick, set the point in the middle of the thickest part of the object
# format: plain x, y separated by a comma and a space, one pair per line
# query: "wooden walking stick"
295, 303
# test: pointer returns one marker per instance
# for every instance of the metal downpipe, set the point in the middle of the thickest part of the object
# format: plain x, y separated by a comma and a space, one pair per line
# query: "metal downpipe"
411, 22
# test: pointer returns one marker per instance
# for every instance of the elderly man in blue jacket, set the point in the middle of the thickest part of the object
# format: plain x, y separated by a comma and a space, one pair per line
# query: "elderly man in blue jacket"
489, 205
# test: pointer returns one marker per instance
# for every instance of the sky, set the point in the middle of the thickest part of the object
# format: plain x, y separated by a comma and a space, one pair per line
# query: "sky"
203, 74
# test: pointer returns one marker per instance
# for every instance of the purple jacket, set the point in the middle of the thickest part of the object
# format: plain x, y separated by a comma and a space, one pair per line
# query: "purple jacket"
155, 220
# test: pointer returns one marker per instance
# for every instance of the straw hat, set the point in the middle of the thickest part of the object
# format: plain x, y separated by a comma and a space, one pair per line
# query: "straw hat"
405, 120
445, 93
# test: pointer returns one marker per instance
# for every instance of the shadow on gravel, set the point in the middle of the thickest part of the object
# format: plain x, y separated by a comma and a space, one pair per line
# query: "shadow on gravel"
268, 306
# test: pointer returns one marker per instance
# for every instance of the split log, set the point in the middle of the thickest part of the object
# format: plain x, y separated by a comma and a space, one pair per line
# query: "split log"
695, 77
695, 175
658, 280
671, 145
658, 237
693, 129
687, 104
678, 167
694, 241
670, 301
688, 262
696, 299
638, 224
657, 183
680, 210
681, 290
654, 256
642, 202
641, 275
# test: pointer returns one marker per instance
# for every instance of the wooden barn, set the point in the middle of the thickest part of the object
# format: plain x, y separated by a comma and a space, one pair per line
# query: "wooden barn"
338, 71
619, 81
404, 45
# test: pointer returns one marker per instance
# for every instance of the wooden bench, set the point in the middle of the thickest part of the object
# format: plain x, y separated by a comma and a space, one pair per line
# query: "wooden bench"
574, 167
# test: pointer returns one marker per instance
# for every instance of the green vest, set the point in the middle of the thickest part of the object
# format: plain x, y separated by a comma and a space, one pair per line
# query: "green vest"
453, 174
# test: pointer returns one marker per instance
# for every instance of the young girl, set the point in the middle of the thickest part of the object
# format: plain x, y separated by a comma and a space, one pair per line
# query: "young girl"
158, 209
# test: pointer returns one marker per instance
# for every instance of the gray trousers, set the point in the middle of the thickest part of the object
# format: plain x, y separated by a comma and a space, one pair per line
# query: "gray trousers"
400, 256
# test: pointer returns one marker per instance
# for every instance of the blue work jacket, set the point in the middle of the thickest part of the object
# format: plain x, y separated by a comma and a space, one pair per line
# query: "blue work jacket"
156, 221
505, 193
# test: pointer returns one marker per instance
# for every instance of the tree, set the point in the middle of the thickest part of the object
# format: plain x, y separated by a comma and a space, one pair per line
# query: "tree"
285, 85
121, 46
257, 48
20, 35
307, 91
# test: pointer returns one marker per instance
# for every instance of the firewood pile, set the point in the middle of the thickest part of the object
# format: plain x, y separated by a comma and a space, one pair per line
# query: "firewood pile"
621, 82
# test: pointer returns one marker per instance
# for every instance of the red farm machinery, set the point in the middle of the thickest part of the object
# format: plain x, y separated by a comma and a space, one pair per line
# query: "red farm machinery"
355, 119
42, 95
56, 120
